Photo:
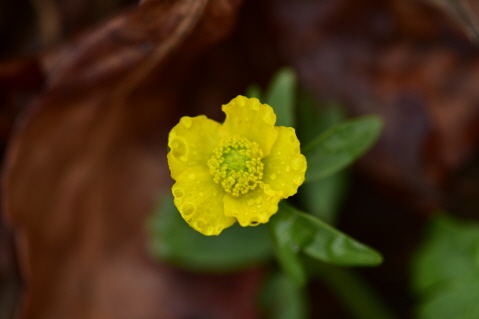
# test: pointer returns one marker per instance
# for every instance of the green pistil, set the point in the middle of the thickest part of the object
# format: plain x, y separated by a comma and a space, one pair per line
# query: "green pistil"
236, 165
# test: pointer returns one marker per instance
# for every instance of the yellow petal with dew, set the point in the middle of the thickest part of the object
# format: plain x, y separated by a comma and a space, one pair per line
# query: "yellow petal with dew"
253, 208
285, 166
200, 201
191, 143
250, 119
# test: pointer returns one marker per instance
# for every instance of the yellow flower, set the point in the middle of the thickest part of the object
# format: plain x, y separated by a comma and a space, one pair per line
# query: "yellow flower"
235, 171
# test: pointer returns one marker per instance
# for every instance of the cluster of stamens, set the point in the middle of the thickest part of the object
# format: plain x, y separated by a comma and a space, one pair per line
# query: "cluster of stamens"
236, 165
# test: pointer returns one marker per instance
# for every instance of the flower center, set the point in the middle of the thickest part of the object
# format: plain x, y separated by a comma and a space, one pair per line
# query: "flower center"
236, 165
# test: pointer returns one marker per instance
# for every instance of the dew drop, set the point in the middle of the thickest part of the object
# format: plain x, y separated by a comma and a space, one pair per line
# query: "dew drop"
178, 148
255, 104
209, 230
273, 176
250, 202
259, 199
188, 209
178, 192
201, 194
184, 158
292, 138
240, 101
279, 152
297, 163
269, 117
172, 133
191, 176
200, 224
186, 121
288, 168
298, 180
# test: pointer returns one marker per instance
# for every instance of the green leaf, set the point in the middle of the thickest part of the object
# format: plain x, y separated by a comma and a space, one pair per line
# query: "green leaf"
172, 239
324, 197
446, 270
340, 146
253, 90
296, 232
282, 298
281, 96
286, 250
315, 119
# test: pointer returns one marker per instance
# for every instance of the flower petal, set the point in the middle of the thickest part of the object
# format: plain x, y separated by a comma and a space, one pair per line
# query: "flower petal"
191, 143
200, 201
252, 208
285, 167
251, 119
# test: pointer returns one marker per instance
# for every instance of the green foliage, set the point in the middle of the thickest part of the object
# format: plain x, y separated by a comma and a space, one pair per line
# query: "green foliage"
282, 298
281, 96
172, 239
253, 90
446, 270
293, 232
322, 197
340, 146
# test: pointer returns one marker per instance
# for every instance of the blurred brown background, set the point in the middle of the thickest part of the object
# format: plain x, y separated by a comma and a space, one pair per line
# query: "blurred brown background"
90, 89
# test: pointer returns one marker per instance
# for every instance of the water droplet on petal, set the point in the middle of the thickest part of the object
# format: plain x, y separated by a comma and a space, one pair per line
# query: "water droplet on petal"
259, 199
240, 101
191, 176
200, 224
254, 104
288, 168
186, 121
273, 176
178, 148
172, 133
298, 180
209, 230
292, 138
278, 152
250, 202
269, 117
178, 193
201, 194
297, 163
188, 209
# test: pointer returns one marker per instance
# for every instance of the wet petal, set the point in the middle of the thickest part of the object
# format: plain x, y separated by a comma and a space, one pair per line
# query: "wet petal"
191, 143
285, 167
253, 208
251, 119
200, 201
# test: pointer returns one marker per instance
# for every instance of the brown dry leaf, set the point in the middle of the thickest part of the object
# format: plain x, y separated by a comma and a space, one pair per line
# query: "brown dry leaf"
88, 161
404, 60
